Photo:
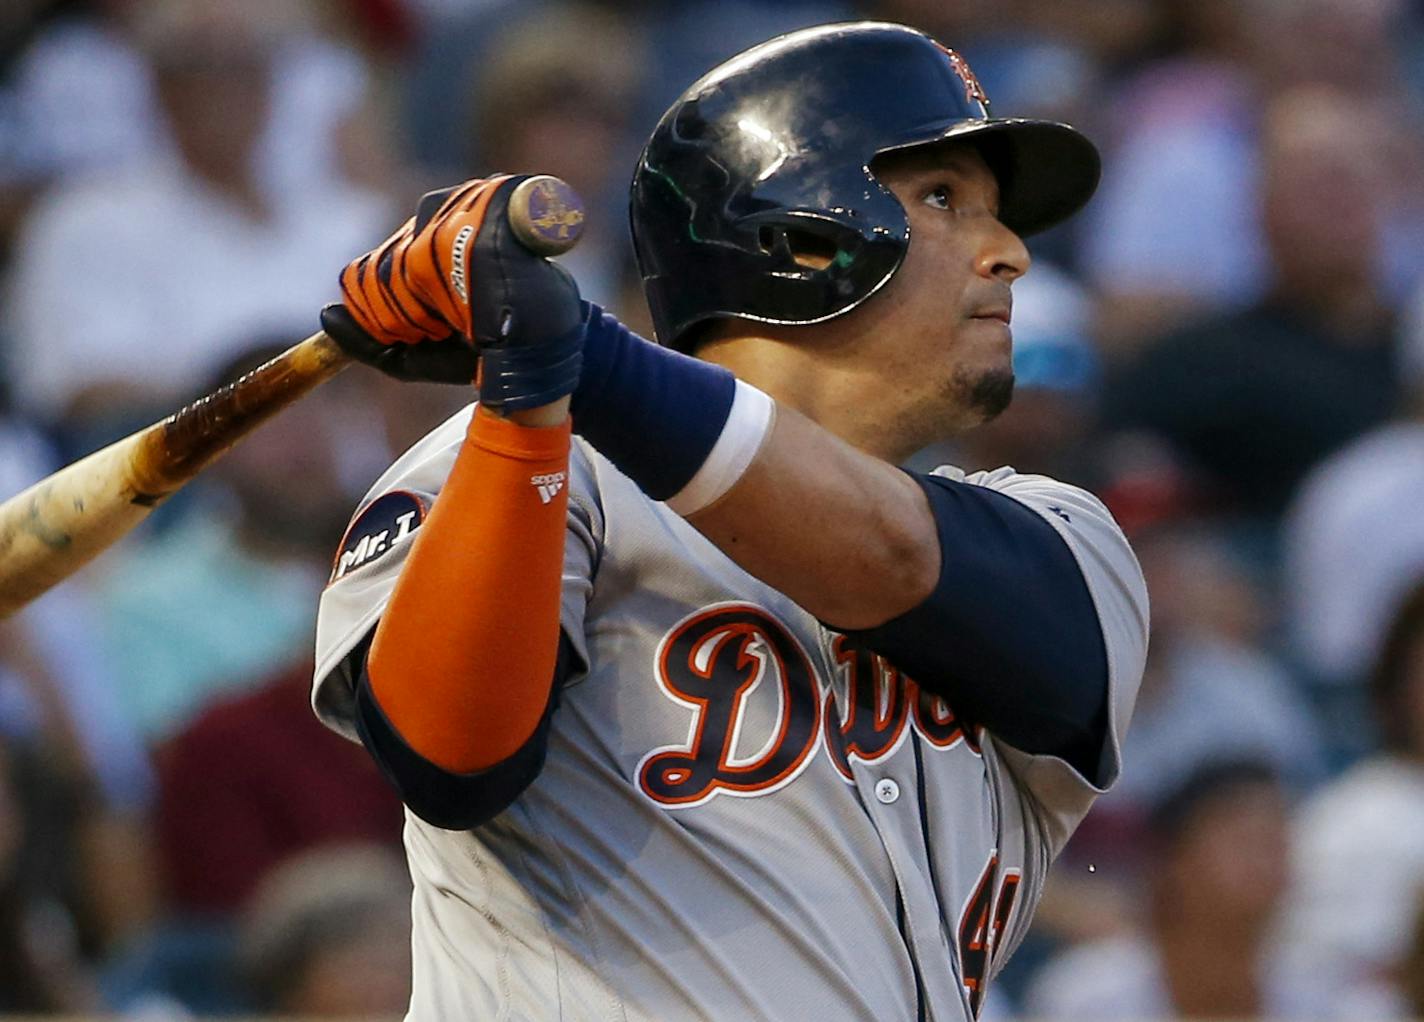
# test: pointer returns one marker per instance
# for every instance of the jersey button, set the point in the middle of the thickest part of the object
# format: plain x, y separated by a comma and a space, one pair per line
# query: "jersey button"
886, 790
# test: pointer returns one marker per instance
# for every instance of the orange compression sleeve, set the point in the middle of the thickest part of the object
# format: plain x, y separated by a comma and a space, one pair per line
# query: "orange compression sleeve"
463, 658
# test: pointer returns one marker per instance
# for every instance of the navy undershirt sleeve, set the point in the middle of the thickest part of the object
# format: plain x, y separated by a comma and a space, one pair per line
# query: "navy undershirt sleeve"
455, 801
654, 412
1009, 637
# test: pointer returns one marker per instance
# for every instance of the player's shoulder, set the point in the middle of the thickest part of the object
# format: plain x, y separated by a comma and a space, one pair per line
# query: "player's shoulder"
427, 462
1092, 534
399, 500
1043, 493
1006, 477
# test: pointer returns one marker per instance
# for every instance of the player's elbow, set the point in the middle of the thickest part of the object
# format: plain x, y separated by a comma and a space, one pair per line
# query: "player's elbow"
444, 798
895, 569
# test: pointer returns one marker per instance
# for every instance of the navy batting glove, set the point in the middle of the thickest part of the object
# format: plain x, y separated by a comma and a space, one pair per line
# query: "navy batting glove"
525, 316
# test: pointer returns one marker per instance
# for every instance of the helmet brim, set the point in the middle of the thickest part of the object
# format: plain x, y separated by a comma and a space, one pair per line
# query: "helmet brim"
1047, 171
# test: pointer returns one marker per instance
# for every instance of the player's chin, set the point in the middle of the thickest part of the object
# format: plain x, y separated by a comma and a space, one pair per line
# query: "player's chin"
984, 377
985, 392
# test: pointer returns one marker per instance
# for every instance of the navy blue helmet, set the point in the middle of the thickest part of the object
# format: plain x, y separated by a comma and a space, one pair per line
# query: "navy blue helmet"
768, 157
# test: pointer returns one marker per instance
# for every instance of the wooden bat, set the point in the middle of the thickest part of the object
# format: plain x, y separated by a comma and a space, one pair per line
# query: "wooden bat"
66, 519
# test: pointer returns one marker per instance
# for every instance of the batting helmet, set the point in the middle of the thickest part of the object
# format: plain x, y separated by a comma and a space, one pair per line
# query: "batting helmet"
768, 156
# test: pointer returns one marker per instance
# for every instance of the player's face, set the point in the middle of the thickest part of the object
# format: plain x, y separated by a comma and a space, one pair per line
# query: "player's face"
942, 323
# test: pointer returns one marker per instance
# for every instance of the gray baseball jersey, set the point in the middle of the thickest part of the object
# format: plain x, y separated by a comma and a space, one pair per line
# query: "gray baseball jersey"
740, 816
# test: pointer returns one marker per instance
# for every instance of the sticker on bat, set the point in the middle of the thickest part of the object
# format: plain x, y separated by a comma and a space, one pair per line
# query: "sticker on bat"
381, 525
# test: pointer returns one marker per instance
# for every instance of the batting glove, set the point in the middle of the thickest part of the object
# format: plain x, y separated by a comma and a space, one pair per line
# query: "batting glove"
453, 273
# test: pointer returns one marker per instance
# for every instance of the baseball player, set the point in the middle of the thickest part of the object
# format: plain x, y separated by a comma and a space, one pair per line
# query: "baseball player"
700, 707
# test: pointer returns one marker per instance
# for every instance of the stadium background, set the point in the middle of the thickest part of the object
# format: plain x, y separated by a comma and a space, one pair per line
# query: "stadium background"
1228, 346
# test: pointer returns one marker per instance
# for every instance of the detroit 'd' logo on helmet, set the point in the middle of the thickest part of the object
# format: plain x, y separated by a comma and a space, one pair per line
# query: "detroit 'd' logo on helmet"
973, 91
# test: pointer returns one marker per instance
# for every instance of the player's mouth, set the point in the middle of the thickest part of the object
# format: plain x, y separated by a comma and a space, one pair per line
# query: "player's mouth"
1002, 313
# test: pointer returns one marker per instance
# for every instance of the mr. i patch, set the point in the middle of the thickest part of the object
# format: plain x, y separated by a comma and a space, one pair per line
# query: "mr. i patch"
380, 526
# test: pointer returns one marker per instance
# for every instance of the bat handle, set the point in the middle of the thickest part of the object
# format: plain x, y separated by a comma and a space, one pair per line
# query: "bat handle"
546, 215
176, 449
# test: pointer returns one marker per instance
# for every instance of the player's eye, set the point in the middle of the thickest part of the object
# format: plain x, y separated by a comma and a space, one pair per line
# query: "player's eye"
938, 197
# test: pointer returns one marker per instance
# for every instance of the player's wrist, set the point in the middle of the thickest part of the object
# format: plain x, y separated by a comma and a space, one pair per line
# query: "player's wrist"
555, 413
543, 443
516, 378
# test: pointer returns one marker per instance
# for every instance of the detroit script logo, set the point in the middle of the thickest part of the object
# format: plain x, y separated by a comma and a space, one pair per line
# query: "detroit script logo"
710, 663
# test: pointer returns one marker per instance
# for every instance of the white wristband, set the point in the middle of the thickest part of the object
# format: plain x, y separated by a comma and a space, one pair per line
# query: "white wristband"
748, 424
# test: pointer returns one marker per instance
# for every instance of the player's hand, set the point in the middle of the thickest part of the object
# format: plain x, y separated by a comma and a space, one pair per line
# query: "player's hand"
456, 271
412, 287
387, 320
451, 359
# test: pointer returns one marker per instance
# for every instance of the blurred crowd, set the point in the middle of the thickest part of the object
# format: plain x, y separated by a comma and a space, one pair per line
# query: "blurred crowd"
1228, 347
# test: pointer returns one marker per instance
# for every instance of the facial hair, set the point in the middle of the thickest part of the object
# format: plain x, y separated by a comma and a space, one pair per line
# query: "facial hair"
969, 398
984, 394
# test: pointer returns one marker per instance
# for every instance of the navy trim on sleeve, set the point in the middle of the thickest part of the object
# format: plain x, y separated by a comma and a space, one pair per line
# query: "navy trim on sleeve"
1009, 637
454, 801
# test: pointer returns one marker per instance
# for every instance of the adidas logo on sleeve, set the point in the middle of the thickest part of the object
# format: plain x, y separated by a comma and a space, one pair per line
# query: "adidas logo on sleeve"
548, 485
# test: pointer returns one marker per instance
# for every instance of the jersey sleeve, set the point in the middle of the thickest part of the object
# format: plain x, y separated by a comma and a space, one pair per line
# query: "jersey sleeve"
1058, 795
378, 540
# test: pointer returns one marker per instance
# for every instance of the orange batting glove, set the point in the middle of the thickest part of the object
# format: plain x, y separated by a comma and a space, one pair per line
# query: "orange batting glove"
413, 287
407, 290
457, 274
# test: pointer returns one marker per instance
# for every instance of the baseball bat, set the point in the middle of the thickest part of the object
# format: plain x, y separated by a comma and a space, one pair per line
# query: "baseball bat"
50, 530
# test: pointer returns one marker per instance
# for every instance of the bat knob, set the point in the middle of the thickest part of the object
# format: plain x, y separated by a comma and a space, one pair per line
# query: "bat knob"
546, 215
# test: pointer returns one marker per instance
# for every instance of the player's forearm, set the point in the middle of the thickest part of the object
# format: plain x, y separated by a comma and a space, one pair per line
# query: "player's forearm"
463, 659
844, 534
462, 663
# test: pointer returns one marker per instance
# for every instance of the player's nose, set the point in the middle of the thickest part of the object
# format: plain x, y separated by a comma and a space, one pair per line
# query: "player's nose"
1002, 254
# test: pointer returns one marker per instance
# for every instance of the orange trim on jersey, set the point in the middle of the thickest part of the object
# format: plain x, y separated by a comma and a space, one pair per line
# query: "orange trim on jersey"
464, 656
935, 720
